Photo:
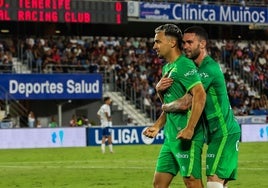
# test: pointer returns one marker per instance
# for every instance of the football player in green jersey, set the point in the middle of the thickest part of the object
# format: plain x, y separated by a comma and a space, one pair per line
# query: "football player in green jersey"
223, 131
184, 135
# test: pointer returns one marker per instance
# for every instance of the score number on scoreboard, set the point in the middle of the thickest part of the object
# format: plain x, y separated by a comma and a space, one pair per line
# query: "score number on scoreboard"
69, 11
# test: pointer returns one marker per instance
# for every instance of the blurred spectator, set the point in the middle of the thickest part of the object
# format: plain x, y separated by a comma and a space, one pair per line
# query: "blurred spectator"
52, 123
31, 119
73, 121
39, 55
79, 121
6, 63
85, 121
6, 122
130, 122
28, 57
38, 124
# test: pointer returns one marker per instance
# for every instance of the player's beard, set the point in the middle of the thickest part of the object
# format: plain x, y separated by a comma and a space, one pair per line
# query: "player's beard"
193, 54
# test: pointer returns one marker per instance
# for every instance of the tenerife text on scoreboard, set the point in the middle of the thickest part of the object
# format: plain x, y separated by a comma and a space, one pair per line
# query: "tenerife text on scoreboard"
51, 86
223, 14
64, 11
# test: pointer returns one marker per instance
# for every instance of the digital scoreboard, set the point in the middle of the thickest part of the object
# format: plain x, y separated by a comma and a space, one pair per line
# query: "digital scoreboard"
64, 11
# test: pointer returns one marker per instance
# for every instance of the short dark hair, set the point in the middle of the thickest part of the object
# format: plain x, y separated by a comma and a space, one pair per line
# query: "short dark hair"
106, 99
199, 31
171, 30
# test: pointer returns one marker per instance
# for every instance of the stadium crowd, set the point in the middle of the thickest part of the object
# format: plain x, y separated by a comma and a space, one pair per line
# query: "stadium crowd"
137, 69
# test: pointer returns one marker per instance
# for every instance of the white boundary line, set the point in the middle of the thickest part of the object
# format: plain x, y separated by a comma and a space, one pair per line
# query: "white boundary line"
106, 167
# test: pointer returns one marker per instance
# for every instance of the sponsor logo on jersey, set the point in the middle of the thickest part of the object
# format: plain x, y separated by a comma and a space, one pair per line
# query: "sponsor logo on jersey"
190, 73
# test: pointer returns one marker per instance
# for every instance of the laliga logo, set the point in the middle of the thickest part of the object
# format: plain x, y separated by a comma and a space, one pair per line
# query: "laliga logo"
145, 139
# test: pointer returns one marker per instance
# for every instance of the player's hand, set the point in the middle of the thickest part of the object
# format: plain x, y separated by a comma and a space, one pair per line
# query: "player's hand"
185, 134
151, 132
163, 84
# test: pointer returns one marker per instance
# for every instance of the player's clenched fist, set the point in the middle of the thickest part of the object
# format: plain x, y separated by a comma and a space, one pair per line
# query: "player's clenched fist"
151, 132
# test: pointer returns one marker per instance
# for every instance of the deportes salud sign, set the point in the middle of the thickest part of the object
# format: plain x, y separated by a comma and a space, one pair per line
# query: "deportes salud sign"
51, 86
203, 13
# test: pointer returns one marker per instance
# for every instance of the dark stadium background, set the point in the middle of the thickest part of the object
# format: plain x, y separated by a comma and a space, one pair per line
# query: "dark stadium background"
134, 29
20, 30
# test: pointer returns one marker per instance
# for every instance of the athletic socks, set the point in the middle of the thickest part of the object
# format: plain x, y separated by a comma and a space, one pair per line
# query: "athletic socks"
214, 185
103, 148
111, 148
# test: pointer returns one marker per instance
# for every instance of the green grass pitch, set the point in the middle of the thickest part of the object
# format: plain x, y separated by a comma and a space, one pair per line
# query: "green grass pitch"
131, 166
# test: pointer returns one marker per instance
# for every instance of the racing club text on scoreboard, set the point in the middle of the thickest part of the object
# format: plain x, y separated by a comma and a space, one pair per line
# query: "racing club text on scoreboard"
69, 11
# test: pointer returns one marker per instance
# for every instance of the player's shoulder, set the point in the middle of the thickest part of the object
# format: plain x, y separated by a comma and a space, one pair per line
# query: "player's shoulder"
211, 61
212, 64
184, 63
183, 58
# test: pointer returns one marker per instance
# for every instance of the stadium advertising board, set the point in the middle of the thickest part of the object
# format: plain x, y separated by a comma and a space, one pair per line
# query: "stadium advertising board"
251, 119
64, 11
222, 14
42, 137
254, 132
51, 86
123, 135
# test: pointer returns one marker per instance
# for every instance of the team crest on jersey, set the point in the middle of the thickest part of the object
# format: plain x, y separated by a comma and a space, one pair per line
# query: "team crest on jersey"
203, 75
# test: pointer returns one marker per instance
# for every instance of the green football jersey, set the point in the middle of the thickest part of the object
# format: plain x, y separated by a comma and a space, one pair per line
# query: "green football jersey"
185, 76
219, 115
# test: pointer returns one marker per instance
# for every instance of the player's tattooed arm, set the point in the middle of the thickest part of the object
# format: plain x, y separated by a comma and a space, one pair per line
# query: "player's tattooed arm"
178, 105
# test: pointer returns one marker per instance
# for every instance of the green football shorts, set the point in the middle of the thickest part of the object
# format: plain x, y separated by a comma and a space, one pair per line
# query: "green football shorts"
181, 155
222, 157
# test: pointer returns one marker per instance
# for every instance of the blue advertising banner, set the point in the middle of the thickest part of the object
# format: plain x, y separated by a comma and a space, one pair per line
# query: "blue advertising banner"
203, 13
123, 135
251, 119
51, 86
